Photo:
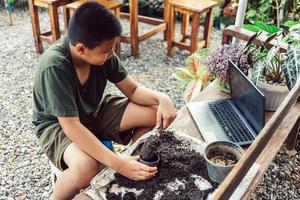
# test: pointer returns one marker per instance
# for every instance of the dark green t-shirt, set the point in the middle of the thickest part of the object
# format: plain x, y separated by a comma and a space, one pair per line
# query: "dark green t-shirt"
57, 91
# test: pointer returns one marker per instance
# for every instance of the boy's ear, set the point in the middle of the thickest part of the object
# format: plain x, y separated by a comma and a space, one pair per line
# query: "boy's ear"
80, 48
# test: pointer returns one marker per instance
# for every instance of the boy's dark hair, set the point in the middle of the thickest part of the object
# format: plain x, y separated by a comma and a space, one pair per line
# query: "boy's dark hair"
91, 24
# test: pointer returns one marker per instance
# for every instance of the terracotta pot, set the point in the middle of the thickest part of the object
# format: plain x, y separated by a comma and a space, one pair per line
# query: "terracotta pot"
274, 95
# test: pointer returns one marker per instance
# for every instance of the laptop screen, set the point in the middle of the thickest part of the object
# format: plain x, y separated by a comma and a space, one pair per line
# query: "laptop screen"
247, 98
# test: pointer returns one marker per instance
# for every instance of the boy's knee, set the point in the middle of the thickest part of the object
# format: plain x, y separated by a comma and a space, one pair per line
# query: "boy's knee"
86, 170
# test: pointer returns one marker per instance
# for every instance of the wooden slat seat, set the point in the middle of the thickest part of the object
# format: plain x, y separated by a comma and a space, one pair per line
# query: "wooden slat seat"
243, 34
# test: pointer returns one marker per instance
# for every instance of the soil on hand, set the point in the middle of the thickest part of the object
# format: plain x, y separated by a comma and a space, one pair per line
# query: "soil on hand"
223, 158
178, 161
149, 149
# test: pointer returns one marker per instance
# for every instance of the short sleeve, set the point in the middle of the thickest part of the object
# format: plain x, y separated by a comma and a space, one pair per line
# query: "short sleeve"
115, 70
58, 93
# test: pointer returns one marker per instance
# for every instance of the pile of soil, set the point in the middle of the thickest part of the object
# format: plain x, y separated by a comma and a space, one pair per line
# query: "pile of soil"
178, 161
149, 148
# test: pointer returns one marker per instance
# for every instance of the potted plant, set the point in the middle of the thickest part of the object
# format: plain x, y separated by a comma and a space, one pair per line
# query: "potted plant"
218, 65
194, 77
276, 73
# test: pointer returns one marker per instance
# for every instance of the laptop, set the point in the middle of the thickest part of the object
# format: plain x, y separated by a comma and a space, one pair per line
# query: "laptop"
238, 119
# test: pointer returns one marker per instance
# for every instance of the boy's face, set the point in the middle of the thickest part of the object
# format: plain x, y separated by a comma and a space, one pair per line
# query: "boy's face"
100, 54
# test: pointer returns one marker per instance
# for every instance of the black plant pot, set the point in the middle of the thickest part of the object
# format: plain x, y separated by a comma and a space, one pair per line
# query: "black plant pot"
195, 194
129, 196
153, 162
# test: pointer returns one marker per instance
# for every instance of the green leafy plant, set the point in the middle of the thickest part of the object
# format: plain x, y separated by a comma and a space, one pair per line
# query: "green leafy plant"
261, 26
194, 77
293, 35
279, 67
289, 24
259, 10
269, 68
291, 67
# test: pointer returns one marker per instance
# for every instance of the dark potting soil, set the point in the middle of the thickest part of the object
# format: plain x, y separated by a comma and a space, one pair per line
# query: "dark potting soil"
149, 149
178, 161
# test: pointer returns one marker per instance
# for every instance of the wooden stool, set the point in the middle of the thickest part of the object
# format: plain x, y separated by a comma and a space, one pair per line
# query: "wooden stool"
191, 8
134, 18
113, 6
52, 6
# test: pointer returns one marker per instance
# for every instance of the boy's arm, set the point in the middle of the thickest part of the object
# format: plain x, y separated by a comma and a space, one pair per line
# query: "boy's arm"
87, 142
166, 111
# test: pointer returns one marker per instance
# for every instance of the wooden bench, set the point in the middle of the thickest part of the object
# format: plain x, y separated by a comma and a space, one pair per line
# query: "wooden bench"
243, 34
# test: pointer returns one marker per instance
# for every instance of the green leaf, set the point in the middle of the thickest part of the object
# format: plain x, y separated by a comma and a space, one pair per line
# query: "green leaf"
267, 28
261, 65
291, 66
252, 28
183, 74
290, 23
261, 26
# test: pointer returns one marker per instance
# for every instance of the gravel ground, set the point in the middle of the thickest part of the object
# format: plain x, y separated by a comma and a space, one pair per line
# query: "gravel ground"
24, 169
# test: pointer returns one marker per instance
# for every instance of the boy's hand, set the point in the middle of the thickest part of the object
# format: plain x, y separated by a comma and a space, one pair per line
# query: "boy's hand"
166, 112
135, 170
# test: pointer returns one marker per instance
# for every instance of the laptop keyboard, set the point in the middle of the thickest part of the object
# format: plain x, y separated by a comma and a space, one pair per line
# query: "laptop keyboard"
231, 123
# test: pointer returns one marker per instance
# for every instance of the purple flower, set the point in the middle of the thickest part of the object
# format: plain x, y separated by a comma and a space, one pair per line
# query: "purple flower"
217, 60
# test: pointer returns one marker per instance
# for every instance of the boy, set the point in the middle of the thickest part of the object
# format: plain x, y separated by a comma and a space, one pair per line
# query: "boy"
71, 113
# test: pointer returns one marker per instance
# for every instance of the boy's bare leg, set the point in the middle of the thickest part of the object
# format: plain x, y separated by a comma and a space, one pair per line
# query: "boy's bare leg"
142, 118
81, 169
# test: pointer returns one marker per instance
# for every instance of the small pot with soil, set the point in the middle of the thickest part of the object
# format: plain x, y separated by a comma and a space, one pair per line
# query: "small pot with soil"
221, 157
129, 196
149, 155
195, 194
152, 162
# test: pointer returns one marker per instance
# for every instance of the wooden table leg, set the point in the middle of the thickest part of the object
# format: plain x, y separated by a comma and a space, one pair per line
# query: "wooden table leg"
184, 26
118, 45
166, 18
134, 37
66, 17
171, 26
54, 23
35, 26
194, 34
208, 27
